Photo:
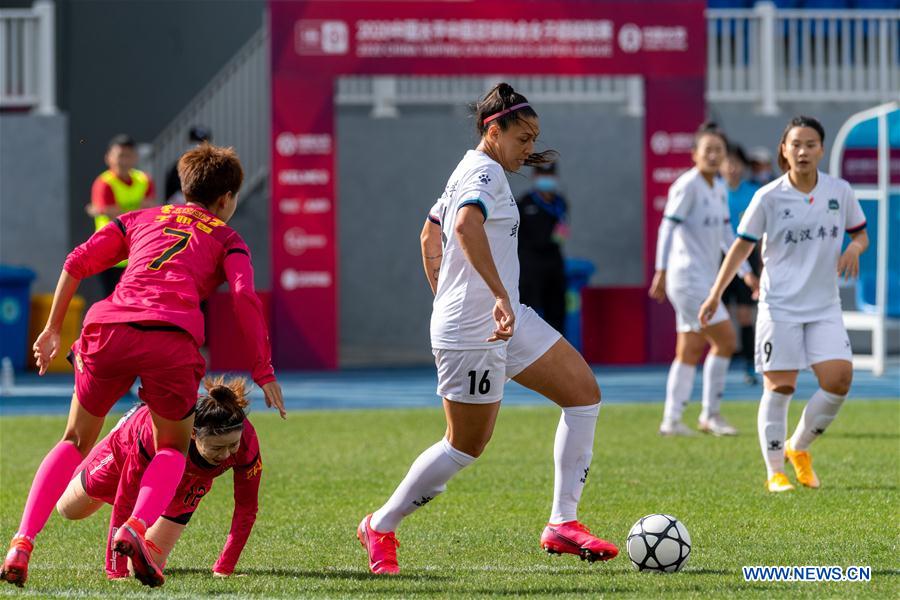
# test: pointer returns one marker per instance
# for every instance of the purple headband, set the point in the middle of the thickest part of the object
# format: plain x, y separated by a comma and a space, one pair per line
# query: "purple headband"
504, 112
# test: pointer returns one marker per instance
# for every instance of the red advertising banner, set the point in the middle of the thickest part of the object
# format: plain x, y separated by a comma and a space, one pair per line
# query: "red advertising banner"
314, 42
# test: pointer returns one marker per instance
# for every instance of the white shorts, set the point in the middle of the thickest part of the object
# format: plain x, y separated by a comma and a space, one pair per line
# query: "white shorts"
687, 305
478, 376
787, 346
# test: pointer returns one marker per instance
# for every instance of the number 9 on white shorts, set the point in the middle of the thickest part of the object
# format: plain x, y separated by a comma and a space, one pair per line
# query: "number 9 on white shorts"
788, 346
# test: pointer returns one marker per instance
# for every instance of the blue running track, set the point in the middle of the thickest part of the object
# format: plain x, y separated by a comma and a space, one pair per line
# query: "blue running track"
415, 387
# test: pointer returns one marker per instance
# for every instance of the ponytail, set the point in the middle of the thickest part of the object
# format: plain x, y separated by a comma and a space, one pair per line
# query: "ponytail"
221, 410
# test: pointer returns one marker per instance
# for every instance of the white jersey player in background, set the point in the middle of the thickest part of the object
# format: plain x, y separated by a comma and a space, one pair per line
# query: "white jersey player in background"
694, 233
800, 219
481, 336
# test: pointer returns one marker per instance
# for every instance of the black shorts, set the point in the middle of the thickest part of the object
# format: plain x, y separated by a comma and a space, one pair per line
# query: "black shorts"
737, 292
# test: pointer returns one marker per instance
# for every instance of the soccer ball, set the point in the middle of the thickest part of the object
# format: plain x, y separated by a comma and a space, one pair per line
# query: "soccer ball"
659, 543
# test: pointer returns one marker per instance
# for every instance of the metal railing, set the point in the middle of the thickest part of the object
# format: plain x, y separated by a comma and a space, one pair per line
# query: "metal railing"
234, 106
28, 58
387, 93
767, 56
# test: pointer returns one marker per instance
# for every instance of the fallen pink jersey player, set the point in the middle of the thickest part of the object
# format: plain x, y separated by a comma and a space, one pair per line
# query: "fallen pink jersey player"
150, 327
223, 439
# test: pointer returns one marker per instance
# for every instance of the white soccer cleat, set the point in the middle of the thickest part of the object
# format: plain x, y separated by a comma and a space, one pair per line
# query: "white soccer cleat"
676, 428
716, 425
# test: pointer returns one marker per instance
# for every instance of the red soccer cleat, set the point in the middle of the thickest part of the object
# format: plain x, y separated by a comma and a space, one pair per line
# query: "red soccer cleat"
15, 566
381, 548
572, 537
130, 541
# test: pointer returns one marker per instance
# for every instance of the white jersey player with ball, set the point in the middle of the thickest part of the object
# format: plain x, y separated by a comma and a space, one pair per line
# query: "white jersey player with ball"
481, 336
800, 219
694, 232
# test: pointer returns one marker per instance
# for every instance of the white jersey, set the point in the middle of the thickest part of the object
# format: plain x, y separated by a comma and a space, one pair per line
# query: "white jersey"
704, 230
802, 235
463, 304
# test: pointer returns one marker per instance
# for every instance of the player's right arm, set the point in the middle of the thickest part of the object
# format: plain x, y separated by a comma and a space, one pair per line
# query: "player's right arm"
102, 250
239, 274
750, 231
678, 205
432, 249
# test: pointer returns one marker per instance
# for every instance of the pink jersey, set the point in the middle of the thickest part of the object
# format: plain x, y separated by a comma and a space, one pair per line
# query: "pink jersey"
177, 256
130, 446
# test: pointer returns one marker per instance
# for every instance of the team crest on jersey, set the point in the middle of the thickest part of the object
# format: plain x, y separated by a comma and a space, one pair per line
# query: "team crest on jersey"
79, 363
255, 470
834, 205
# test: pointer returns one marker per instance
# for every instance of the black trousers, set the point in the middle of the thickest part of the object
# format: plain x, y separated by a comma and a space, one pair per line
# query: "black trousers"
542, 286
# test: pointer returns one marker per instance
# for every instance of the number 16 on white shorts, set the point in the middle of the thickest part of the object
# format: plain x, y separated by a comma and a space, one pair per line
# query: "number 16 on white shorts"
471, 376
788, 346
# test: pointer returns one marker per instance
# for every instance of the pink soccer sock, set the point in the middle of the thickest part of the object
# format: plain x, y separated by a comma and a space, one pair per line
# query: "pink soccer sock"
49, 483
158, 485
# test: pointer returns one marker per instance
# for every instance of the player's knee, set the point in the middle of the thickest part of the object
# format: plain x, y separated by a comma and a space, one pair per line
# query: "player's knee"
838, 383
65, 510
783, 389
78, 440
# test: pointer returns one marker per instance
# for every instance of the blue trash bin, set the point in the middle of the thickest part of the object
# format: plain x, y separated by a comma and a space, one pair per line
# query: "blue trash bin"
578, 273
15, 305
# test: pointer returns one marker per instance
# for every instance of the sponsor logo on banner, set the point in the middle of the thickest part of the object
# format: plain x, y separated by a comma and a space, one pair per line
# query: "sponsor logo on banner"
310, 206
321, 37
652, 38
484, 38
304, 176
297, 241
290, 206
289, 144
630, 38
316, 206
667, 174
292, 280
663, 142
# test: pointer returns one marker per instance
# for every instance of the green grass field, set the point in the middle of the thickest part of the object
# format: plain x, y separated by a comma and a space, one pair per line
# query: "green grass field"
324, 470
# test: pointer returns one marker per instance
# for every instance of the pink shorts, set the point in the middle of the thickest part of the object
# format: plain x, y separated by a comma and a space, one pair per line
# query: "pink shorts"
100, 473
108, 357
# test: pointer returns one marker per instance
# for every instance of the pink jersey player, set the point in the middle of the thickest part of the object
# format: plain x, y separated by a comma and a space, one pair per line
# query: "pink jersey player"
150, 327
223, 439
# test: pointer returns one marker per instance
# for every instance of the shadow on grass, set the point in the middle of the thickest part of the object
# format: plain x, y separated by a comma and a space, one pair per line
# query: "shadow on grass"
318, 574
865, 435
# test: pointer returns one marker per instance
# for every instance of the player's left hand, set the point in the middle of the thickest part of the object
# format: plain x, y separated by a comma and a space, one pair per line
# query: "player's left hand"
274, 397
752, 282
848, 265
45, 349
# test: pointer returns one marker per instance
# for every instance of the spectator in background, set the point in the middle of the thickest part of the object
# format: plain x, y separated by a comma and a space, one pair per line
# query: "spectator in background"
761, 172
542, 230
197, 135
738, 297
119, 189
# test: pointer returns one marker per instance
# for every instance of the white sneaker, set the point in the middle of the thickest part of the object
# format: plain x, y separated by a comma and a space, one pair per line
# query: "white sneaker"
676, 428
716, 425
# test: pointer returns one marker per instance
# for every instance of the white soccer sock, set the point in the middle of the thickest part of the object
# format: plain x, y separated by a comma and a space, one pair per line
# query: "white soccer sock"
772, 425
678, 390
820, 411
572, 452
427, 477
715, 368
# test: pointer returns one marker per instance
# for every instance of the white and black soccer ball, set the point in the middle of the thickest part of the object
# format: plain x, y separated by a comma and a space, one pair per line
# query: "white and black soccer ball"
659, 543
